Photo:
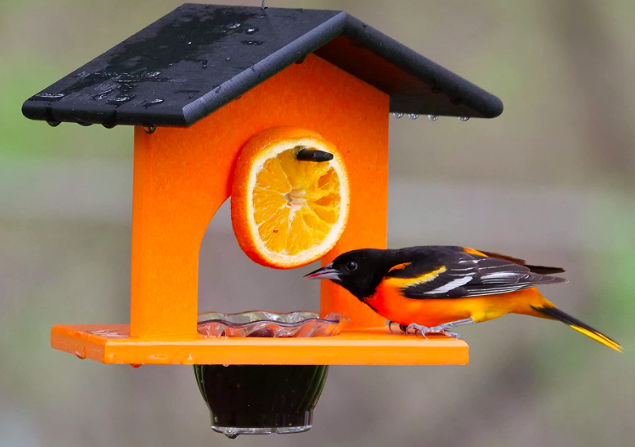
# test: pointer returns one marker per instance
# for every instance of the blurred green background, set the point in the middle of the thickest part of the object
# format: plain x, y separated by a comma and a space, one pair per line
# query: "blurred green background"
552, 180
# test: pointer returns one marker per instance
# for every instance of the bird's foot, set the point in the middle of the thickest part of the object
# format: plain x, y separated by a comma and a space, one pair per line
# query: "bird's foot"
450, 334
403, 327
443, 329
424, 330
417, 328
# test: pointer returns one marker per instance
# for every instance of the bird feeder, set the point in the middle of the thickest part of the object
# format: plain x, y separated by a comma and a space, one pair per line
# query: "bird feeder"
197, 85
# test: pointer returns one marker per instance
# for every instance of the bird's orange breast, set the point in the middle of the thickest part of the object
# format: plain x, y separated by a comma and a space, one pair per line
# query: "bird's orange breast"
389, 302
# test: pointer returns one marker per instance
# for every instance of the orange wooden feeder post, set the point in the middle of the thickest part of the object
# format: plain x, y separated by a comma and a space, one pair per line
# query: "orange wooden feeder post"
209, 78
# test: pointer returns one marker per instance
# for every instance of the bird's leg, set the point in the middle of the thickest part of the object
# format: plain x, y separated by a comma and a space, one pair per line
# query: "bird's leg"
440, 329
451, 324
390, 323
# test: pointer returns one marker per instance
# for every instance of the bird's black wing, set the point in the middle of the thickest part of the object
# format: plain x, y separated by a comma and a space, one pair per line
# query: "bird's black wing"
541, 269
457, 274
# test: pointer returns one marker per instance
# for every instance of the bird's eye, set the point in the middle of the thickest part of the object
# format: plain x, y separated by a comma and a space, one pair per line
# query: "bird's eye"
351, 266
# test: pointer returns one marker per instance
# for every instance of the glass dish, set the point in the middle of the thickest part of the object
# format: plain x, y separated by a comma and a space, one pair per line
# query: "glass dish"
260, 323
263, 399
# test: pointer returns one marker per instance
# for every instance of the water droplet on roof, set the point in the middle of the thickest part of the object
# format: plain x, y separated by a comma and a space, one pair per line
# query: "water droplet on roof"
233, 25
251, 30
48, 96
433, 117
463, 118
252, 42
228, 59
152, 102
149, 128
121, 99
102, 95
125, 78
189, 43
53, 123
397, 115
413, 116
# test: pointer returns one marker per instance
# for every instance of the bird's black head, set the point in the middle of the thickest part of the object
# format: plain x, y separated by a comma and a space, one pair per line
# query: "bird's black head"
358, 271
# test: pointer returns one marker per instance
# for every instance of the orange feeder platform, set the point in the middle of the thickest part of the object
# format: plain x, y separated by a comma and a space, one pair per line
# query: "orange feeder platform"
208, 97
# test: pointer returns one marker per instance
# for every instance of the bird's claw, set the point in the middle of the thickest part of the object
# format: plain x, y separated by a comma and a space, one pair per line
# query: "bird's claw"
423, 331
451, 334
418, 329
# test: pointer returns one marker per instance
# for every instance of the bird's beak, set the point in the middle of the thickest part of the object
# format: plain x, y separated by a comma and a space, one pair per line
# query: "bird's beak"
326, 272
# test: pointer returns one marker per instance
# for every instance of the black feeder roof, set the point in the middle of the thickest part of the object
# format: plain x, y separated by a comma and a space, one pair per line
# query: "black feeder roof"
199, 57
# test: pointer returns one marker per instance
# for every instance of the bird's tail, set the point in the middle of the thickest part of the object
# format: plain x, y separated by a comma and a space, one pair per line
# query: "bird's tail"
574, 323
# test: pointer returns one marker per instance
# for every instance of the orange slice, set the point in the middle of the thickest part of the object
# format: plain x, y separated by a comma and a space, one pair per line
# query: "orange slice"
288, 213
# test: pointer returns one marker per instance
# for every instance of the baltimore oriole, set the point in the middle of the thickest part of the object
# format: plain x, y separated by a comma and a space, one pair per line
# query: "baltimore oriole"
431, 289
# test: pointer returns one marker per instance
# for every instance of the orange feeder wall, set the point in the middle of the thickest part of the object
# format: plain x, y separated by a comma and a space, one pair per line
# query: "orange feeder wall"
183, 175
